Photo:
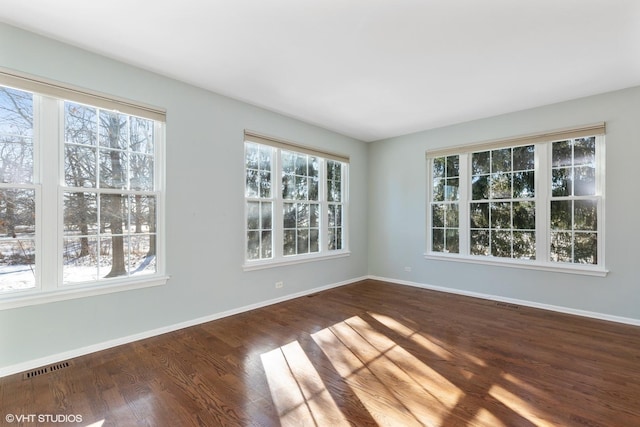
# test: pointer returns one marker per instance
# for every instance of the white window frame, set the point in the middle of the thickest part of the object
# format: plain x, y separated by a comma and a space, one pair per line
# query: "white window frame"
543, 143
278, 258
48, 110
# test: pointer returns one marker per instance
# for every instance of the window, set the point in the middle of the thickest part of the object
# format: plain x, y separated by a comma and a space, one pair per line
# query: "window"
296, 202
534, 201
80, 193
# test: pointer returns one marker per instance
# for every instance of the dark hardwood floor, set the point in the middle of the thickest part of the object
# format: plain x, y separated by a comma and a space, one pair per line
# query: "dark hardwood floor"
366, 354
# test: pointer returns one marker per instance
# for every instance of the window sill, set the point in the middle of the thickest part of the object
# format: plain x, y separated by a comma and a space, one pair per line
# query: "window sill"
291, 260
585, 270
35, 296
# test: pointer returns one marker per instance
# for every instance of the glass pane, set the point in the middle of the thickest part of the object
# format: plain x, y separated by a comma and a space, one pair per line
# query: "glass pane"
561, 247
289, 247
113, 213
303, 241
561, 154
584, 151
561, 215
501, 244
452, 216
332, 216
314, 240
142, 213
524, 216
253, 215
267, 244
288, 187
452, 241
524, 158
585, 215
113, 130
480, 187
314, 215
141, 136
437, 240
334, 191
501, 160
451, 189
301, 165
265, 158
437, 215
523, 184
289, 217
80, 259
80, 124
480, 242
288, 163
438, 190
113, 167
439, 165
114, 256
16, 112
80, 214
524, 245
301, 188
79, 166
16, 136
453, 166
586, 248
501, 186
561, 182
266, 215
253, 245
251, 187
479, 215
265, 184
17, 264
313, 189
501, 215
17, 212
480, 163
302, 215
141, 172
584, 181
332, 239
142, 254
251, 155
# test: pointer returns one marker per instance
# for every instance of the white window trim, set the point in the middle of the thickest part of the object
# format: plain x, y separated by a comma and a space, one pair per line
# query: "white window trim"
48, 184
279, 259
543, 230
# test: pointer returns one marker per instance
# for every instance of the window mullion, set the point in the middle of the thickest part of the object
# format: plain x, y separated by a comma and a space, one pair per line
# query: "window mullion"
463, 203
277, 221
542, 200
51, 202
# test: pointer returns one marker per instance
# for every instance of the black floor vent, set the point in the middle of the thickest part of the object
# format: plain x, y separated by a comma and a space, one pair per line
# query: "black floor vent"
45, 370
508, 306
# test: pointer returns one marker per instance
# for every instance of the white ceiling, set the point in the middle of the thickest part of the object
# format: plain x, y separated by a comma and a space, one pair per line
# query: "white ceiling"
369, 69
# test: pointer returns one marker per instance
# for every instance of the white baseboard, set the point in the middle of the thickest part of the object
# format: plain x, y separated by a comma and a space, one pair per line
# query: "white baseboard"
55, 358
560, 309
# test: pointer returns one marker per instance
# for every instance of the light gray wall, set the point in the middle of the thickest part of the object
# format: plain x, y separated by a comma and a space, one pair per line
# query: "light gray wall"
397, 197
205, 186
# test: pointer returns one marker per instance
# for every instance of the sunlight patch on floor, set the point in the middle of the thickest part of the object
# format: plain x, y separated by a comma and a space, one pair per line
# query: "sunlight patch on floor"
299, 394
394, 386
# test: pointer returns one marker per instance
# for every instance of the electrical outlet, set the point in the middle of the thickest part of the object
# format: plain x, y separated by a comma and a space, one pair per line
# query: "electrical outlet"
279, 285
407, 269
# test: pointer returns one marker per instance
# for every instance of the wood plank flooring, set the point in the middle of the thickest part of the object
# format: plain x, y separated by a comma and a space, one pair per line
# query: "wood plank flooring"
366, 354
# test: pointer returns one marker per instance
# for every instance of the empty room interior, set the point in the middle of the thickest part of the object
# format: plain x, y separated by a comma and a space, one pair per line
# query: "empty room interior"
319, 213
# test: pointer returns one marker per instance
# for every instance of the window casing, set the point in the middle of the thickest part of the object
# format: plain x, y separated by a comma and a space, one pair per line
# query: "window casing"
295, 203
81, 197
531, 202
